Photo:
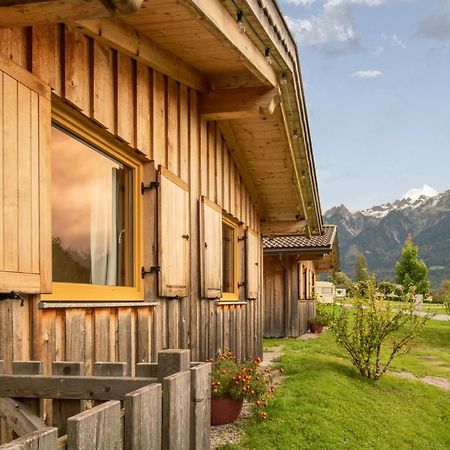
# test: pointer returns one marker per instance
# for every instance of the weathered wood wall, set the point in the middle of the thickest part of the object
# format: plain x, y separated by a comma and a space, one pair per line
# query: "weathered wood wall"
287, 306
159, 119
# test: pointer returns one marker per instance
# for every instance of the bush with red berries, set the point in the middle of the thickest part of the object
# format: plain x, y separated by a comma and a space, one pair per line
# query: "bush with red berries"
247, 380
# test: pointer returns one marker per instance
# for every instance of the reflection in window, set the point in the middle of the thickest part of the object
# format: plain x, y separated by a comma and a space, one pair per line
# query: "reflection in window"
91, 214
228, 262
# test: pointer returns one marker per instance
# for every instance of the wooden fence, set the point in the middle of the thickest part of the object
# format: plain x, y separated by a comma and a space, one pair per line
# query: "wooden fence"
166, 406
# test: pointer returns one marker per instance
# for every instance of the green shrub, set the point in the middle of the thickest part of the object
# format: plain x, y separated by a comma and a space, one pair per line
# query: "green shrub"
371, 332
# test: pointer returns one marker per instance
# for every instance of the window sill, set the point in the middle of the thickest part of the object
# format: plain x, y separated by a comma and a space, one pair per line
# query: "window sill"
229, 303
81, 304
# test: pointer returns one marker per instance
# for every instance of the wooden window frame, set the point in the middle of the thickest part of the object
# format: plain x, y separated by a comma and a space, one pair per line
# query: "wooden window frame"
81, 127
232, 296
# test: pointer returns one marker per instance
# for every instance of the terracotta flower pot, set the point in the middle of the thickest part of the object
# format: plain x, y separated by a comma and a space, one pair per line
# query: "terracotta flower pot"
315, 328
225, 410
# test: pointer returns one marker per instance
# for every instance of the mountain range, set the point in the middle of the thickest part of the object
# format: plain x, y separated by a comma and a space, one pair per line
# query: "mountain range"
380, 232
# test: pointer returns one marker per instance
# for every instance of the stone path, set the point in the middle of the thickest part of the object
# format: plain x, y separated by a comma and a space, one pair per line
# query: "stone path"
442, 383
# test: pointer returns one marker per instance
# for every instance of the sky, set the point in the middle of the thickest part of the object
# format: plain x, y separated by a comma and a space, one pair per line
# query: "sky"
376, 75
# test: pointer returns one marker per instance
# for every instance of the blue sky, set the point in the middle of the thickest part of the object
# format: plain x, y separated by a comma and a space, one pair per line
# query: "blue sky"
377, 86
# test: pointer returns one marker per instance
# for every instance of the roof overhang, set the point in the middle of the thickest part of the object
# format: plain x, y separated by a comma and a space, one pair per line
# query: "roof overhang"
260, 105
322, 250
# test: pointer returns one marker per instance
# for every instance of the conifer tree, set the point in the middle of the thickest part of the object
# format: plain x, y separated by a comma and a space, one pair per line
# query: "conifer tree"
361, 269
410, 270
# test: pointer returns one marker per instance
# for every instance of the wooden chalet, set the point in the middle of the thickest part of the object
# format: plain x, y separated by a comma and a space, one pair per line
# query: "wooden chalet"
147, 145
291, 267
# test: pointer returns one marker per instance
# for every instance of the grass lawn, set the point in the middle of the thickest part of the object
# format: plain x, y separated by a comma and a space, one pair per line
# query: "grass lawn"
324, 403
433, 308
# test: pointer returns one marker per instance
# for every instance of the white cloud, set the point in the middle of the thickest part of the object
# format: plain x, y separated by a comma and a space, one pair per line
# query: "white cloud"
332, 29
397, 41
300, 2
436, 25
371, 73
415, 193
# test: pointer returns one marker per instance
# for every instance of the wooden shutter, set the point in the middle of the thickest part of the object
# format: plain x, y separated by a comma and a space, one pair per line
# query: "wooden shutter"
25, 209
252, 265
211, 249
173, 235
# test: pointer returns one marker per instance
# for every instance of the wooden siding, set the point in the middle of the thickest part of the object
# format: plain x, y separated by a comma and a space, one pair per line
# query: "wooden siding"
124, 96
287, 308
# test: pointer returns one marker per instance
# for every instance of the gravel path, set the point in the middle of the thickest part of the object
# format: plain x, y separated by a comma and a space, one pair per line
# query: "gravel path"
442, 383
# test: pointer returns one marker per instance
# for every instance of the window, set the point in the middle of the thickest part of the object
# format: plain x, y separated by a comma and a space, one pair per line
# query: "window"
229, 260
95, 225
327, 290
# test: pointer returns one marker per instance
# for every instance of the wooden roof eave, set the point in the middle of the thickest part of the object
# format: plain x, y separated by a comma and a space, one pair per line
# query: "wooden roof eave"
267, 20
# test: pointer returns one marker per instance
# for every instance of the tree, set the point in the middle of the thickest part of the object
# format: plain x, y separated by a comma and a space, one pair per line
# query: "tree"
372, 332
410, 270
361, 269
341, 279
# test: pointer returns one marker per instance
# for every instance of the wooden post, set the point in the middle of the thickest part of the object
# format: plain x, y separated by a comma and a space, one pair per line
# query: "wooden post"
45, 438
143, 418
96, 429
172, 361
149, 370
200, 429
62, 409
176, 411
35, 406
27, 367
110, 369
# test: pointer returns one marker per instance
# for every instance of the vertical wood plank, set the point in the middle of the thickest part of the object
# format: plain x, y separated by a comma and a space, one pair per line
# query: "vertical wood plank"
35, 244
126, 339
176, 411
159, 118
172, 127
143, 418
212, 190
103, 110
2, 256
45, 225
194, 192
184, 133
102, 350
10, 164
143, 109
219, 167
43, 53
98, 428
226, 179
24, 178
125, 98
76, 69
200, 429
13, 44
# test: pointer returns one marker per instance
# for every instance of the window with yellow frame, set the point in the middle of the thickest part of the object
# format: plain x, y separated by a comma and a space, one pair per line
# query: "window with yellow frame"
96, 220
230, 262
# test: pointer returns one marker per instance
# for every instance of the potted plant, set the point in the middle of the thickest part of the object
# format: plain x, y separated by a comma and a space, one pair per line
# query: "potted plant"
317, 323
233, 382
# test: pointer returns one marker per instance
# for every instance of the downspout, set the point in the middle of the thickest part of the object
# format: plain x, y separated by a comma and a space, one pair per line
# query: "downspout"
286, 292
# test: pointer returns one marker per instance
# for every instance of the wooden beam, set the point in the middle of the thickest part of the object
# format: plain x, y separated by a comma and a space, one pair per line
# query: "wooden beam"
225, 26
228, 104
241, 164
126, 40
20, 13
70, 387
283, 228
19, 417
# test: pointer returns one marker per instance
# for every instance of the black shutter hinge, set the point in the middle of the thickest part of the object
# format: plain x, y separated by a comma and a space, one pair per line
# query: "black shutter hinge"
241, 283
12, 296
153, 269
152, 185
242, 238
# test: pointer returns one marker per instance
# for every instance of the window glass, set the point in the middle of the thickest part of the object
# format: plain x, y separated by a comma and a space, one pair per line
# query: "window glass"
228, 262
91, 214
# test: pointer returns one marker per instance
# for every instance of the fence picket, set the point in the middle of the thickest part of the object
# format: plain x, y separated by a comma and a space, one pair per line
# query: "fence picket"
143, 418
95, 429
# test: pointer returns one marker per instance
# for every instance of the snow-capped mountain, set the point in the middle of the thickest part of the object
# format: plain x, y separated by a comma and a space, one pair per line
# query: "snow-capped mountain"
383, 210
381, 230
